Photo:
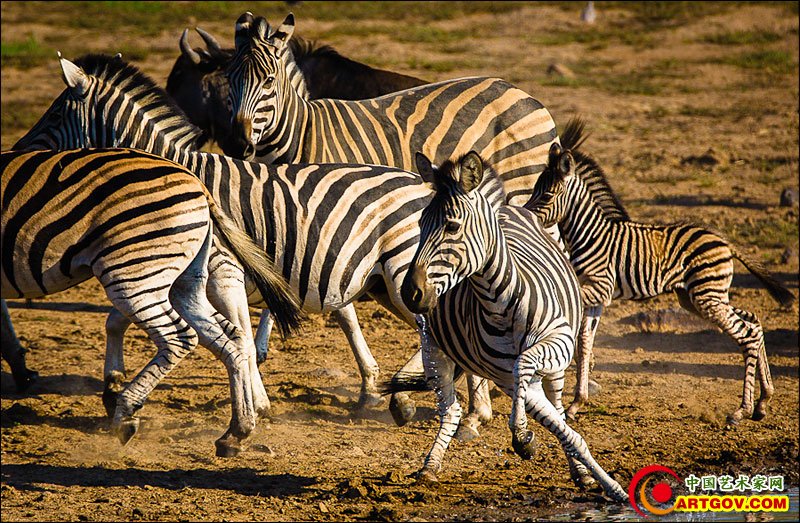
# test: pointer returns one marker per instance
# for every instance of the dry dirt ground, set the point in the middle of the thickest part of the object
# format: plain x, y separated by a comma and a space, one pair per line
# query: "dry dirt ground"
658, 93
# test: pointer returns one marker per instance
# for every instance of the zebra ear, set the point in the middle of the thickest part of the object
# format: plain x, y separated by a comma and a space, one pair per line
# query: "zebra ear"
74, 76
566, 165
242, 30
283, 33
554, 154
471, 171
425, 168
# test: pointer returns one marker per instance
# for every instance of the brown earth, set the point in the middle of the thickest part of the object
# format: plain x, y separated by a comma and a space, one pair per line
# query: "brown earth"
656, 99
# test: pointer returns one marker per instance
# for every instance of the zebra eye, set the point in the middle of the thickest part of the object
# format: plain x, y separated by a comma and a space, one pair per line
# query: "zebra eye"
270, 81
452, 226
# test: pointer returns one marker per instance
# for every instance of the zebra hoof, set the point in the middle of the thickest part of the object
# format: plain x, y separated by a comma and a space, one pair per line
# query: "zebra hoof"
466, 433
227, 447
127, 429
583, 481
427, 477
402, 410
760, 413
369, 400
733, 420
524, 446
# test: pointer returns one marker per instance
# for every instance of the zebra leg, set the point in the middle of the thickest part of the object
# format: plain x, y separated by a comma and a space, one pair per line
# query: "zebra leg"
226, 341
749, 336
228, 295
439, 370
480, 408
401, 406
114, 369
540, 408
553, 385
367, 366
583, 357
14, 353
762, 365
263, 332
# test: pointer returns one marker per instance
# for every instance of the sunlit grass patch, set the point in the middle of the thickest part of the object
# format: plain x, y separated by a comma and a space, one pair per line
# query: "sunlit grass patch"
774, 61
24, 53
742, 38
770, 232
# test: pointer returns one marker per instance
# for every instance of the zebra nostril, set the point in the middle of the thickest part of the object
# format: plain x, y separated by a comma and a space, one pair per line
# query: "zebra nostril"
249, 151
417, 295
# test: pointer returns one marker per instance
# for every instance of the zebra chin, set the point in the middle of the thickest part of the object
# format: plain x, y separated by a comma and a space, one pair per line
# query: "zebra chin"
241, 142
417, 294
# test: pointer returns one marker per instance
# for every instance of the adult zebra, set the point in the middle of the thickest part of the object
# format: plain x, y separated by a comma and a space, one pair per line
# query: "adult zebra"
143, 226
616, 257
198, 84
334, 229
508, 127
498, 297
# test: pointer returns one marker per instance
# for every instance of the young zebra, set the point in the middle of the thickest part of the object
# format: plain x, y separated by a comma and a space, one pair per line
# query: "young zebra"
496, 296
198, 84
143, 227
615, 257
336, 230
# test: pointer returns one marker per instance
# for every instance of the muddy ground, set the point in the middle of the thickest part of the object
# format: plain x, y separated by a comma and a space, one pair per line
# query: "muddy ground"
693, 112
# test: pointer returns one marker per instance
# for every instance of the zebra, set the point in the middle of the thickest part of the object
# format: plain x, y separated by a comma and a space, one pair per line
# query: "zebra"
274, 123
143, 226
198, 84
616, 257
336, 230
495, 295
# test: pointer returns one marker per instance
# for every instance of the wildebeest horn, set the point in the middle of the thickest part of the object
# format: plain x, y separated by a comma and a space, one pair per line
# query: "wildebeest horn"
210, 41
187, 50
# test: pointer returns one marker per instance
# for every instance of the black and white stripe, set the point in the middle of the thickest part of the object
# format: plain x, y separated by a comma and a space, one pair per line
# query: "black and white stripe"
616, 257
443, 120
335, 230
143, 227
496, 296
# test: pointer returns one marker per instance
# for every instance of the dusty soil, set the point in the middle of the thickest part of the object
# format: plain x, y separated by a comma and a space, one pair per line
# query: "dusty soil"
664, 394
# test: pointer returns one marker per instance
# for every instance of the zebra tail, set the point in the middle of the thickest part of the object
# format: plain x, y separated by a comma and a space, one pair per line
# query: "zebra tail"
281, 300
405, 382
411, 382
775, 288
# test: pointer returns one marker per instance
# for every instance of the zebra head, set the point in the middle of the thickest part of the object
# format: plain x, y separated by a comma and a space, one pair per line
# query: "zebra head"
67, 124
455, 230
550, 199
110, 103
257, 79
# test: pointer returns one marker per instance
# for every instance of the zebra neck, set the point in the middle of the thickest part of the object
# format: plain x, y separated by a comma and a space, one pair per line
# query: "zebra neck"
495, 283
584, 223
285, 141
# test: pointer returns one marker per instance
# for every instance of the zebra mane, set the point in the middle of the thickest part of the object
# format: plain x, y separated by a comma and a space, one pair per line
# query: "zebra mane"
303, 49
129, 78
591, 173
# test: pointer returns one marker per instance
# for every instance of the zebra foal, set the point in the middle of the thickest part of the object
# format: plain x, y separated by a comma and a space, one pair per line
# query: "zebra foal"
615, 257
143, 226
496, 296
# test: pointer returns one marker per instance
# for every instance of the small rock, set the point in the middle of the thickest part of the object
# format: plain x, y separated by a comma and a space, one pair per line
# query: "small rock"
393, 477
356, 492
790, 197
379, 314
323, 508
646, 363
594, 388
263, 448
638, 350
137, 513
560, 70
358, 452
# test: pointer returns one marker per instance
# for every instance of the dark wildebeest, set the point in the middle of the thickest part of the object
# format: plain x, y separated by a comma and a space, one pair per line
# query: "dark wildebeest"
197, 81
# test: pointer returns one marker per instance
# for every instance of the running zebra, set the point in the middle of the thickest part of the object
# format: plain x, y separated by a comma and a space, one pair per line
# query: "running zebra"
142, 226
508, 127
616, 257
336, 230
496, 296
